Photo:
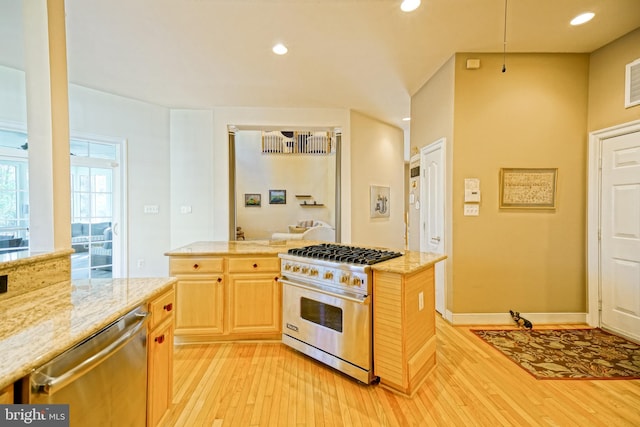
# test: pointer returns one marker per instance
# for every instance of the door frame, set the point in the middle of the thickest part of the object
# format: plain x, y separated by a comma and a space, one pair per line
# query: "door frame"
594, 184
121, 228
440, 267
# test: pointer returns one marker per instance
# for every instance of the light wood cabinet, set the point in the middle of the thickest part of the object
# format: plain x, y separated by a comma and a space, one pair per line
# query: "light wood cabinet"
199, 295
200, 307
235, 297
6, 395
160, 356
254, 303
404, 335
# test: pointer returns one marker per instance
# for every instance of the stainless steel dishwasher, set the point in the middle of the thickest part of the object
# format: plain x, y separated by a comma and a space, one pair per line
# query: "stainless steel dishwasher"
103, 379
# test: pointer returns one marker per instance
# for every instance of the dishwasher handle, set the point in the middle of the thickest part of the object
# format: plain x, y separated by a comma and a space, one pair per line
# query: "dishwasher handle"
44, 384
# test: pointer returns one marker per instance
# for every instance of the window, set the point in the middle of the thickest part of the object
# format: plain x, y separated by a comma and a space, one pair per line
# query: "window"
14, 191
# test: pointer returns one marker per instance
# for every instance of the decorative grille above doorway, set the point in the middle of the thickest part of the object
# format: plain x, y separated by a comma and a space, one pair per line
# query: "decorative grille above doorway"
297, 142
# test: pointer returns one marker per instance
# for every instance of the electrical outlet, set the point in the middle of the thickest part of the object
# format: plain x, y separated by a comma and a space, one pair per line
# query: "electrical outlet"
141, 263
421, 301
4, 287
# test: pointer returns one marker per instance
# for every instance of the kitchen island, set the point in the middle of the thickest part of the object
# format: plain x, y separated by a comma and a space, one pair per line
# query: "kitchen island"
231, 291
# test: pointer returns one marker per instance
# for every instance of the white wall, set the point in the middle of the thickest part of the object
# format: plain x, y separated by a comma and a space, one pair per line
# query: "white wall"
145, 127
13, 103
295, 118
192, 182
297, 174
377, 159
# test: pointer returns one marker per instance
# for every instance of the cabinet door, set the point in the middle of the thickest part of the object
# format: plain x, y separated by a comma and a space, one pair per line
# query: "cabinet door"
255, 303
160, 372
6, 395
199, 306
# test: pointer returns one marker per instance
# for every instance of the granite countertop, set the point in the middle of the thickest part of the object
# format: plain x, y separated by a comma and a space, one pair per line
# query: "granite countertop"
410, 262
41, 324
239, 247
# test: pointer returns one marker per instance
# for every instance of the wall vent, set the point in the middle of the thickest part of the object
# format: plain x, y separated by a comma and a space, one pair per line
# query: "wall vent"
632, 84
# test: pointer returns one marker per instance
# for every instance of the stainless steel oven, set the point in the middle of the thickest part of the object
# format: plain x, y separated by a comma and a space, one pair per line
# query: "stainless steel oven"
327, 305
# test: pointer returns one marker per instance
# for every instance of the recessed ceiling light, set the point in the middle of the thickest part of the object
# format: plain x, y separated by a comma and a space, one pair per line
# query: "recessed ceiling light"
280, 49
582, 18
406, 119
409, 5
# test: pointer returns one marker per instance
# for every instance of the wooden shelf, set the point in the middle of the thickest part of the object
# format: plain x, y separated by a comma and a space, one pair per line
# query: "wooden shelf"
313, 205
303, 196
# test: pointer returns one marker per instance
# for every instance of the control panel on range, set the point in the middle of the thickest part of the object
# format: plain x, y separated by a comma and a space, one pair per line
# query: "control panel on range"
330, 276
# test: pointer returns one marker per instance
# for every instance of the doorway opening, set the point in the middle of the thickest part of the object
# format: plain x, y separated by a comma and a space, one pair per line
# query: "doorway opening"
97, 189
283, 184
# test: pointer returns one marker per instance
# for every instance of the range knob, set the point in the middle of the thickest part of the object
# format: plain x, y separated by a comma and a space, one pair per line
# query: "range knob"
328, 275
305, 270
296, 268
356, 281
344, 279
287, 267
313, 272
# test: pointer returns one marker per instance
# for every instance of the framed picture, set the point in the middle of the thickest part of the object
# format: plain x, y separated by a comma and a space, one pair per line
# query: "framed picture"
528, 188
252, 199
380, 206
277, 197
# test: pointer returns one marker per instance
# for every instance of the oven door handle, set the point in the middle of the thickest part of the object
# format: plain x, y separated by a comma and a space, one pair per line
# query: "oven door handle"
324, 291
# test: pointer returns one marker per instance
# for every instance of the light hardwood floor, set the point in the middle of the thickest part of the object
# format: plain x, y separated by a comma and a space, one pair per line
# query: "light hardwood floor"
268, 384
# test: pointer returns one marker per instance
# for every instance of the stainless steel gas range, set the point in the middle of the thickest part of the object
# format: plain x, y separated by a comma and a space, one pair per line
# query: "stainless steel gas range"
327, 304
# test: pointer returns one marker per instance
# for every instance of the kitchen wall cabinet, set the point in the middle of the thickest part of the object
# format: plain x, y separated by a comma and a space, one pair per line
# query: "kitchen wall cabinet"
227, 298
160, 356
404, 345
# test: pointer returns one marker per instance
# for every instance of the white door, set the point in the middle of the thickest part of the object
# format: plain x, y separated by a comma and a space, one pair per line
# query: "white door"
620, 234
432, 191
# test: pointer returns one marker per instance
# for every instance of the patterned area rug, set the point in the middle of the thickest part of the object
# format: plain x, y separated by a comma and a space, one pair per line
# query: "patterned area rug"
590, 354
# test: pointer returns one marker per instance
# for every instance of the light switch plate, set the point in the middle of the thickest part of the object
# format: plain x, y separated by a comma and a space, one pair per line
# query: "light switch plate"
471, 209
151, 209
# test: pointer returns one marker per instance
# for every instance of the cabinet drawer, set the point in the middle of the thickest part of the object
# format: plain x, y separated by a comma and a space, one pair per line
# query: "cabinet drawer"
162, 308
250, 265
196, 265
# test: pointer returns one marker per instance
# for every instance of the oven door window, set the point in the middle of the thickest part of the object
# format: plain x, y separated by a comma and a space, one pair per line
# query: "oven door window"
321, 314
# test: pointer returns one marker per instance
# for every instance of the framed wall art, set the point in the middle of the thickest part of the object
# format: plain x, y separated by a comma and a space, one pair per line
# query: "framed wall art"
252, 199
532, 188
380, 206
277, 197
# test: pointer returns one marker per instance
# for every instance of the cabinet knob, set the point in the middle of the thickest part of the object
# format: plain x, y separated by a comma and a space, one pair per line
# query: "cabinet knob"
168, 307
196, 266
159, 339
255, 265
219, 279
276, 278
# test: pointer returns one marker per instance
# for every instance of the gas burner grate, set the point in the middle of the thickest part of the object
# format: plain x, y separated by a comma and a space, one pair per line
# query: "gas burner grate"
343, 253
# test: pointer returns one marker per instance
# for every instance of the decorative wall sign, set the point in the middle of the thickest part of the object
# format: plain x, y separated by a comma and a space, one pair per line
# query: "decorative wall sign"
380, 202
528, 188
251, 199
277, 197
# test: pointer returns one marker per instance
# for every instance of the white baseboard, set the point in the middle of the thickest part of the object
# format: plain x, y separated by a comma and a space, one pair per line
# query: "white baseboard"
505, 318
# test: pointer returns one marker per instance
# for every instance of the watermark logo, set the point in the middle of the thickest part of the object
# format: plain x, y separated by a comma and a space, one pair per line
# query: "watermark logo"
34, 415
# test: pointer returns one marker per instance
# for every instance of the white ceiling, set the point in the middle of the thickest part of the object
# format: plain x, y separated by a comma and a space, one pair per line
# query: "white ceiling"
364, 55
